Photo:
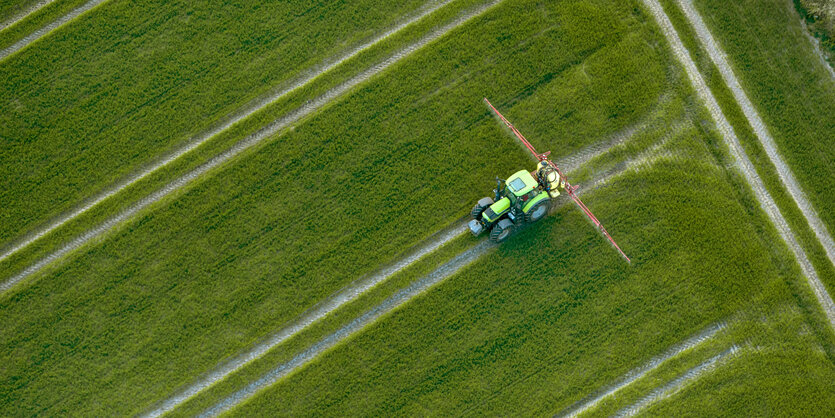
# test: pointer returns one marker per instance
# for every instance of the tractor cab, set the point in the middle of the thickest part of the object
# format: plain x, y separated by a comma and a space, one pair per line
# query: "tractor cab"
519, 199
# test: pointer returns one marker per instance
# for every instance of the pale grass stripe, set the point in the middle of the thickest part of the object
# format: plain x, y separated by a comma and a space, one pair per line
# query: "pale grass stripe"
228, 121
405, 295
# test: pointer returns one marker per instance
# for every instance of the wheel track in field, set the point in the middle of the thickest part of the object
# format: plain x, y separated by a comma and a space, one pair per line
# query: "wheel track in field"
679, 383
38, 34
398, 299
743, 163
247, 143
24, 14
717, 55
355, 290
225, 124
590, 402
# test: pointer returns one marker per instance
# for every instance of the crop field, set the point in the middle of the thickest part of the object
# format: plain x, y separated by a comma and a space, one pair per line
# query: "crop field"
258, 209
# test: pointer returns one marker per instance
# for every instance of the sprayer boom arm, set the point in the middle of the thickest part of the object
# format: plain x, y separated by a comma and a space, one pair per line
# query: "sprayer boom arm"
568, 187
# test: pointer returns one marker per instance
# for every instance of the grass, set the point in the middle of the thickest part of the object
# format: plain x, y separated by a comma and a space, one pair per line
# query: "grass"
780, 364
34, 21
797, 222
133, 80
554, 314
265, 240
782, 76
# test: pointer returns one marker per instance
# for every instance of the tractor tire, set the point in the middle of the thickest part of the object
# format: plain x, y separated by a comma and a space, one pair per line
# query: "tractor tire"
480, 207
538, 211
501, 231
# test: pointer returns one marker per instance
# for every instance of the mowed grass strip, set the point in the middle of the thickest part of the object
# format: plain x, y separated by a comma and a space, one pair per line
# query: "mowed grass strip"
554, 314
121, 86
182, 288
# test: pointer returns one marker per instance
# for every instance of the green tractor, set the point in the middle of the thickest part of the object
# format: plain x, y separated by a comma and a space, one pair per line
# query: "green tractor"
525, 197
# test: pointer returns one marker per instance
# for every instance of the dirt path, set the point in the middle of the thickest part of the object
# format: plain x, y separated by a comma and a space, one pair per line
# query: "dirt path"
784, 172
38, 34
227, 122
24, 14
676, 385
592, 400
248, 142
743, 163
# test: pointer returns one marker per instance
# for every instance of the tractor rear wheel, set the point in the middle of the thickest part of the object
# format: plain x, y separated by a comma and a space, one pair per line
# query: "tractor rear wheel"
538, 211
501, 231
480, 207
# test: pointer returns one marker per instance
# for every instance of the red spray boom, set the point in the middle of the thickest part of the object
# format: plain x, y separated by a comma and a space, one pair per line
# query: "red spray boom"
568, 187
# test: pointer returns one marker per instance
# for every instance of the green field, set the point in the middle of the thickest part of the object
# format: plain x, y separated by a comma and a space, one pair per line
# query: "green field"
532, 326
120, 87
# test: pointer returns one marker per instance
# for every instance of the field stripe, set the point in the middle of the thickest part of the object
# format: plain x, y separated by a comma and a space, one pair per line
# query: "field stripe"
400, 298
676, 385
744, 164
783, 171
24, 14
592, 400
34, 36
246, 143
318, 312
230, 120
354, 291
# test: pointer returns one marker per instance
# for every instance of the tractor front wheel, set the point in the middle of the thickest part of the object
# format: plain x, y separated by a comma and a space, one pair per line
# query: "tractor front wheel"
501, 231
538, 211
480, 207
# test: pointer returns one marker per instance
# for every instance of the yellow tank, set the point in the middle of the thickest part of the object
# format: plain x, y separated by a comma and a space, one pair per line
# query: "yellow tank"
550, 178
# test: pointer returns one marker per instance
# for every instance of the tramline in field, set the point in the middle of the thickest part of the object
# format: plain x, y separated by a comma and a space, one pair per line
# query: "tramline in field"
525, 197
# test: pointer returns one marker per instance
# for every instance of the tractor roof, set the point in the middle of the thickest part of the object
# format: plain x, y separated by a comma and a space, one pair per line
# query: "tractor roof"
521, 182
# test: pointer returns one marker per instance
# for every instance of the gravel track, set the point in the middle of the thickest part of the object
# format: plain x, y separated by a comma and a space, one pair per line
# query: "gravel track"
783, 171
38, 34
400, 298
237, 116
248, 142
676, 385
592, 400
741, 159
22, 15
